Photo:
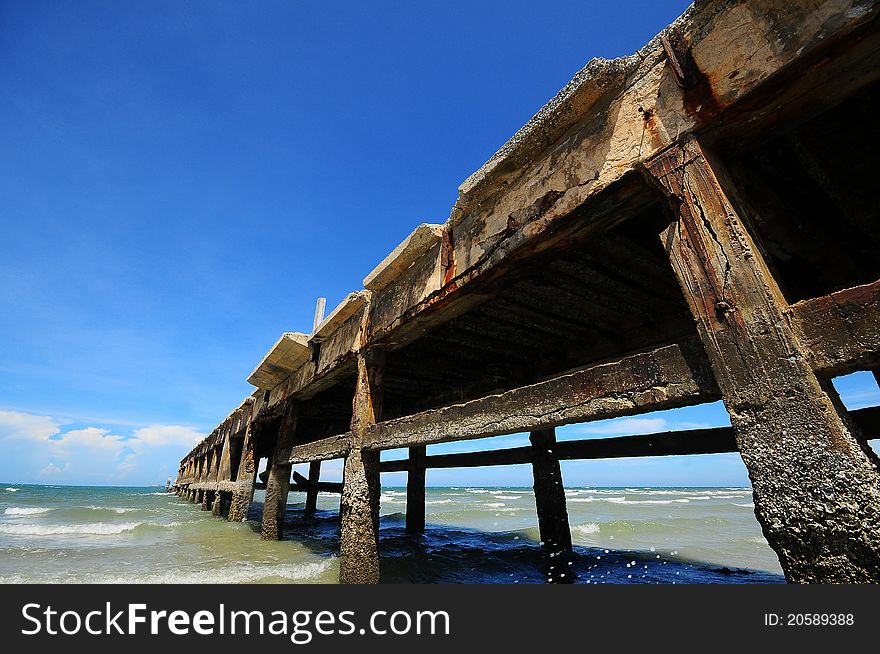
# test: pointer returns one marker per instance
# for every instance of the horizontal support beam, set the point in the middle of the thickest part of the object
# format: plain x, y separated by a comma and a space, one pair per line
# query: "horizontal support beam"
301, 483
334, 447
842, 330
718, 440
668, 377
509, 456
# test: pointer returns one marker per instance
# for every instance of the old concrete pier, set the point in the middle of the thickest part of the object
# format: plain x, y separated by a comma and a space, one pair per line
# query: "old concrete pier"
691, 223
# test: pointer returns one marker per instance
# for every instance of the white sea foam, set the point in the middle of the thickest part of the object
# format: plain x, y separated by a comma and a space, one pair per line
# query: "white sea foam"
478, 491
237, 573
494, 505
585, 530
115, 509
18, 510
13, 490
85, 529
750, 505
682, 500
440, 501
507, 497
94, 528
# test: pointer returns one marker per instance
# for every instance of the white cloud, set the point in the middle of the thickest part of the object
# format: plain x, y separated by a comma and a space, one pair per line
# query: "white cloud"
90, 437
15, 424
40, 446
167, 435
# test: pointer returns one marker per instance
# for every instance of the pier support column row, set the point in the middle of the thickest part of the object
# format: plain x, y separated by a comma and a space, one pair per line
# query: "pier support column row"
551, 507
359, 531
278, 481
815, 480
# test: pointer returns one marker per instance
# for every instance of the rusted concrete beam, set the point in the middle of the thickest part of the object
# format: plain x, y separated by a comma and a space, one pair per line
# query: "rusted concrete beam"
334, 447
664, 378
815, 480
840, 330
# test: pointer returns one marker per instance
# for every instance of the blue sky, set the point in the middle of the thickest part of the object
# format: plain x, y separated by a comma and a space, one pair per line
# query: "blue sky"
179, 181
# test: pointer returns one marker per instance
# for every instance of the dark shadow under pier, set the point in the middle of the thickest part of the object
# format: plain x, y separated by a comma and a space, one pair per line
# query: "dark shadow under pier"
457, 555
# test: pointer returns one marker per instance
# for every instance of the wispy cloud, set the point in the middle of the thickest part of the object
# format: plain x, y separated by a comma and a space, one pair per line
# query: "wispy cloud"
635, 426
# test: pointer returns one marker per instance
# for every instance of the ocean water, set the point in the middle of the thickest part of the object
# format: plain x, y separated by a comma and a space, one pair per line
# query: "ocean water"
63, 534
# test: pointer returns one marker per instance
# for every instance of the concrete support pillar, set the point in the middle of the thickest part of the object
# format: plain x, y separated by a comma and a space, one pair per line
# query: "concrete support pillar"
312, 492
278, 481
415, 491
224, 463
217, 504
815, 480
359, 531
551, 507
247, 472
207, 500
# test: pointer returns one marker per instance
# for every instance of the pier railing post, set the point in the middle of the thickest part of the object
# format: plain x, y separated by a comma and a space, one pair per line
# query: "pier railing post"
551, 507
815, 480
359, 531
415, 490
312, 492
278, 481
247, 472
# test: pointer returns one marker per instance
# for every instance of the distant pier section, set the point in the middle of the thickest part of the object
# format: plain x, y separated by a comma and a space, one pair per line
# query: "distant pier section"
692, 223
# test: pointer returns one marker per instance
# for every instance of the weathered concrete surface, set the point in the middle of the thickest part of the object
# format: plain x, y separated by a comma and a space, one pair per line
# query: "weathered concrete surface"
422, 239
359, 508
815, 480
840, 330
288, 354
334, 447
359, 514
243, 495
278, 481
664, 378
352, 304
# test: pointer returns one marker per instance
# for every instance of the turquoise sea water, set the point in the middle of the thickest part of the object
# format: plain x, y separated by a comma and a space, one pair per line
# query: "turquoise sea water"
60, 534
